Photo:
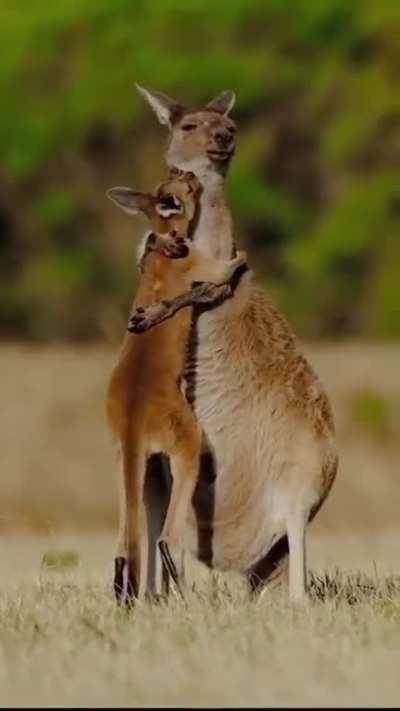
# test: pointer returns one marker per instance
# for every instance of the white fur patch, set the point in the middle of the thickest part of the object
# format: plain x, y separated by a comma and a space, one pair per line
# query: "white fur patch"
167, 211
141, 250
169, 205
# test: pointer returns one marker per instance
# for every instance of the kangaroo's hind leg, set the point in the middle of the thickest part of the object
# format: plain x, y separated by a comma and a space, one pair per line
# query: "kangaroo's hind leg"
296, 532
133, 463
157, 491
184, 469
120, 559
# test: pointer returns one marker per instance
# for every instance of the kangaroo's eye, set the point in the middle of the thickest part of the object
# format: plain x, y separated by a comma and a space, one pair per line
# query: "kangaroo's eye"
169, 205
188, 126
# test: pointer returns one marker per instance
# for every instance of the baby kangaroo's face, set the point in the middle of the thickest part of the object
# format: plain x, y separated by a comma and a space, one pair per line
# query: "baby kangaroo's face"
170, 210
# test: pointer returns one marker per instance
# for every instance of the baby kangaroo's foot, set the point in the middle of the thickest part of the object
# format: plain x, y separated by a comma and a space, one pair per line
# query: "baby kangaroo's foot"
169, 564
132, 584
119, 567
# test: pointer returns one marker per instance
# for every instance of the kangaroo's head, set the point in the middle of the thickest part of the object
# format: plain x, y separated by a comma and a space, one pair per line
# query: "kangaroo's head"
169, 210
201, 141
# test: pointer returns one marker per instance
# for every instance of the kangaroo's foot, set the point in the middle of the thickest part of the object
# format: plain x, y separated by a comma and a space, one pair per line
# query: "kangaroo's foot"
119, 567
132, 582
169, 564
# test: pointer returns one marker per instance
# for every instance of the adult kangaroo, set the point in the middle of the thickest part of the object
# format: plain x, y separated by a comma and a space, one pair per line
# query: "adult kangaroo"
252, 505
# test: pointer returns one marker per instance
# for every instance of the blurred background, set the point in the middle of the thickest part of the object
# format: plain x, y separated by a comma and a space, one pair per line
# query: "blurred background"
314, 188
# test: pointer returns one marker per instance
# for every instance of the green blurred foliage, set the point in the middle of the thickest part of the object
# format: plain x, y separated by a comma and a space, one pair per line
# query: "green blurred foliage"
371, 412
314, 186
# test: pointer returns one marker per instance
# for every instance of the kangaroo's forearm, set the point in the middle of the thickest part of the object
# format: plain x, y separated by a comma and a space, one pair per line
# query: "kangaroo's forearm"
204, 294
145, 318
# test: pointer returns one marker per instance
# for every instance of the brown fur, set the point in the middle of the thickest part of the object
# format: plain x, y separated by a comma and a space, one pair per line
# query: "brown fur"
250, 364
248, 347
145, 406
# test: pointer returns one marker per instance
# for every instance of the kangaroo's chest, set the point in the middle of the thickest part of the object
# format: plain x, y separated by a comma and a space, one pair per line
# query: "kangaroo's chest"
241, 419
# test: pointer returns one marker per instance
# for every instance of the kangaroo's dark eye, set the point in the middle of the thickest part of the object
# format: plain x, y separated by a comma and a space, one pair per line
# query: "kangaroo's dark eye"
168, 205
188, 126
170, 202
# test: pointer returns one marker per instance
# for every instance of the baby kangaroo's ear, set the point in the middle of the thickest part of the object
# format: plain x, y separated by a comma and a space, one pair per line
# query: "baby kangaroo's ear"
132, 202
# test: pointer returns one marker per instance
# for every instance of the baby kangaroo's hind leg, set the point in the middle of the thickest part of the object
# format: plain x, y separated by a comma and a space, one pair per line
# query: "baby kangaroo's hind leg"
184, 469
133, 462
157, 489
120, 559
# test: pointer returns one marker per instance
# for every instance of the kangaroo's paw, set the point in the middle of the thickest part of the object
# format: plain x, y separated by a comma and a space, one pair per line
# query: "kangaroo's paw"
175, 249
145, 317
233, 264
119, 567
209, 294
169, 564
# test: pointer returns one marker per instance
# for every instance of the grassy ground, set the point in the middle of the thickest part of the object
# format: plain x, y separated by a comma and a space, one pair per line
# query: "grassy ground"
62, 641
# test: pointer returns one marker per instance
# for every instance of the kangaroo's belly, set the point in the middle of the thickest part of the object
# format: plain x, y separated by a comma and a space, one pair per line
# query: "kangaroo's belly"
264, 458
249, 502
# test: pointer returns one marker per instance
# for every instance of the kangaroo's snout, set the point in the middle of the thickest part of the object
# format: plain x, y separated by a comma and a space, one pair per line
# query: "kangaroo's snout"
223, 138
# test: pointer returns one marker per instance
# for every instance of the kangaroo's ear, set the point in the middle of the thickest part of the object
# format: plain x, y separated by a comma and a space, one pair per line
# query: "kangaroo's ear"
223, 103
131, 201
168, 110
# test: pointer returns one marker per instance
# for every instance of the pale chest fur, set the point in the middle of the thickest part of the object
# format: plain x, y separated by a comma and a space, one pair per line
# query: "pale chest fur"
266, 450
213, 234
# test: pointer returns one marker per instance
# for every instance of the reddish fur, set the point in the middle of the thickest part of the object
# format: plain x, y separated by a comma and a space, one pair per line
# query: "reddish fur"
145, 407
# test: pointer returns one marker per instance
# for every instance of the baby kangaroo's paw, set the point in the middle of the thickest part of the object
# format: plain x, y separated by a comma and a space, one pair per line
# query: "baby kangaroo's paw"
145, 317
233, 264
208, 293
175, 249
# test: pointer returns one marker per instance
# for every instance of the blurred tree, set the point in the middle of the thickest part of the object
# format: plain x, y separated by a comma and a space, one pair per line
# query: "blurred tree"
314, 186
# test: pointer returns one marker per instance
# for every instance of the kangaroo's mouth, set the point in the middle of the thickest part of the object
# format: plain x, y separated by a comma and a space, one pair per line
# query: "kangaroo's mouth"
220, 155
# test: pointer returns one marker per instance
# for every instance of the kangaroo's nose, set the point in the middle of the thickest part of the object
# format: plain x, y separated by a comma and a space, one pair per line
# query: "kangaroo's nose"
223, 138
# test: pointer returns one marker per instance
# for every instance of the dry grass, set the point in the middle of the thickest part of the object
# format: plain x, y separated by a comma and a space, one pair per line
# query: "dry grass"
63, 643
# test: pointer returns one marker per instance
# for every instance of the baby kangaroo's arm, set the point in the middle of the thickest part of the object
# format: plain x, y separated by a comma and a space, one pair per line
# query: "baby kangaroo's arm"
205, 293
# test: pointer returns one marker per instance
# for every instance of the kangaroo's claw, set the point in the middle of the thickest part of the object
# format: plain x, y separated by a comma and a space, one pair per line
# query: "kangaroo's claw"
144, 318
119, 566
169, 564
208, 293
137, 323
132, 587
177, 249
235, 263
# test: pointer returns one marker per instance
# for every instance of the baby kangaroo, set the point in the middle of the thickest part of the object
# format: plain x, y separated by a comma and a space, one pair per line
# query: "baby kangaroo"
146, 408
